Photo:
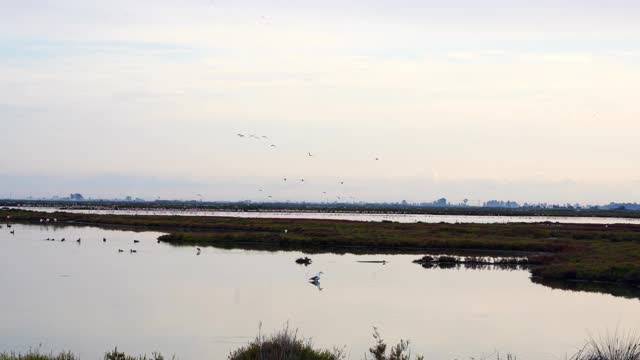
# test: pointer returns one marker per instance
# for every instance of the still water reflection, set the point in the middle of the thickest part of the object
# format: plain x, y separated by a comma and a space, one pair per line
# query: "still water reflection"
88, 298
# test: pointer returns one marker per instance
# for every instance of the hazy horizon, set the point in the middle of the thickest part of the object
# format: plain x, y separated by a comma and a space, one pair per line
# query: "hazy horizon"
532, 102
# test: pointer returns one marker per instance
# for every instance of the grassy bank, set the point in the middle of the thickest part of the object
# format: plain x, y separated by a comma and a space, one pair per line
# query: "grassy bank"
582, 252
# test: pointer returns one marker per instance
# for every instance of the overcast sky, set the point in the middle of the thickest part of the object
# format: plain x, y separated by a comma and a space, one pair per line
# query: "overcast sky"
523, 100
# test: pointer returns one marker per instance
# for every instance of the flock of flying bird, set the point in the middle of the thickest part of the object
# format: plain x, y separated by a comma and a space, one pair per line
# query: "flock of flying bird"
301, 180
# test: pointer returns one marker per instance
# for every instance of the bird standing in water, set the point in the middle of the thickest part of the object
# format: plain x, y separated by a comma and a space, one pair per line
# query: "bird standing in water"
316, 278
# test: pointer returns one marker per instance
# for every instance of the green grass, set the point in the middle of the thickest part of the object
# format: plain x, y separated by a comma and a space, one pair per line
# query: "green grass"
577, 252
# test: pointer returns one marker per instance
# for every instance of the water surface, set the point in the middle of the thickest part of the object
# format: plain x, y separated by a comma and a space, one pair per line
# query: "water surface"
353, 216
89, 298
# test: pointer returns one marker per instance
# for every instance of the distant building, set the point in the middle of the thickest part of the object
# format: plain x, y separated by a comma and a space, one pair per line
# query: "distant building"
76, 197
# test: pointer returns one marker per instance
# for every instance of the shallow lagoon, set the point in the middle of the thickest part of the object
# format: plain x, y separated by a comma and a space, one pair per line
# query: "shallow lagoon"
88, 298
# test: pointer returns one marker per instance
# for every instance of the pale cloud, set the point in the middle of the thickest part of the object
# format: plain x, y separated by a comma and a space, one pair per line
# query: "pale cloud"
142, 90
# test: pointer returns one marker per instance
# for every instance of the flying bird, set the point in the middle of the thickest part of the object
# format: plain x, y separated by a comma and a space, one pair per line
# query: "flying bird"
309, 154
241, 135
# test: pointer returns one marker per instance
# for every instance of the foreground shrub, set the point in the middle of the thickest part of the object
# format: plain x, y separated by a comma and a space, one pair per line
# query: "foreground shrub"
612, 347
36, 355
115, 355
283, 345
398, 352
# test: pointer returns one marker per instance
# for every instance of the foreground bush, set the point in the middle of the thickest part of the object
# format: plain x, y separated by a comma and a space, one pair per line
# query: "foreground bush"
284, 345
112, 355
611, 347
35, 355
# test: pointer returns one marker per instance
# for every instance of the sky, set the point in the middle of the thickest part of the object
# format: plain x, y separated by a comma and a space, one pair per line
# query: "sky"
532, 101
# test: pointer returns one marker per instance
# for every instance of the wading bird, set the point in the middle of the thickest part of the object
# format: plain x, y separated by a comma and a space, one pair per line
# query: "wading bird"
136, 241
317, 284
316, 278
120, 250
